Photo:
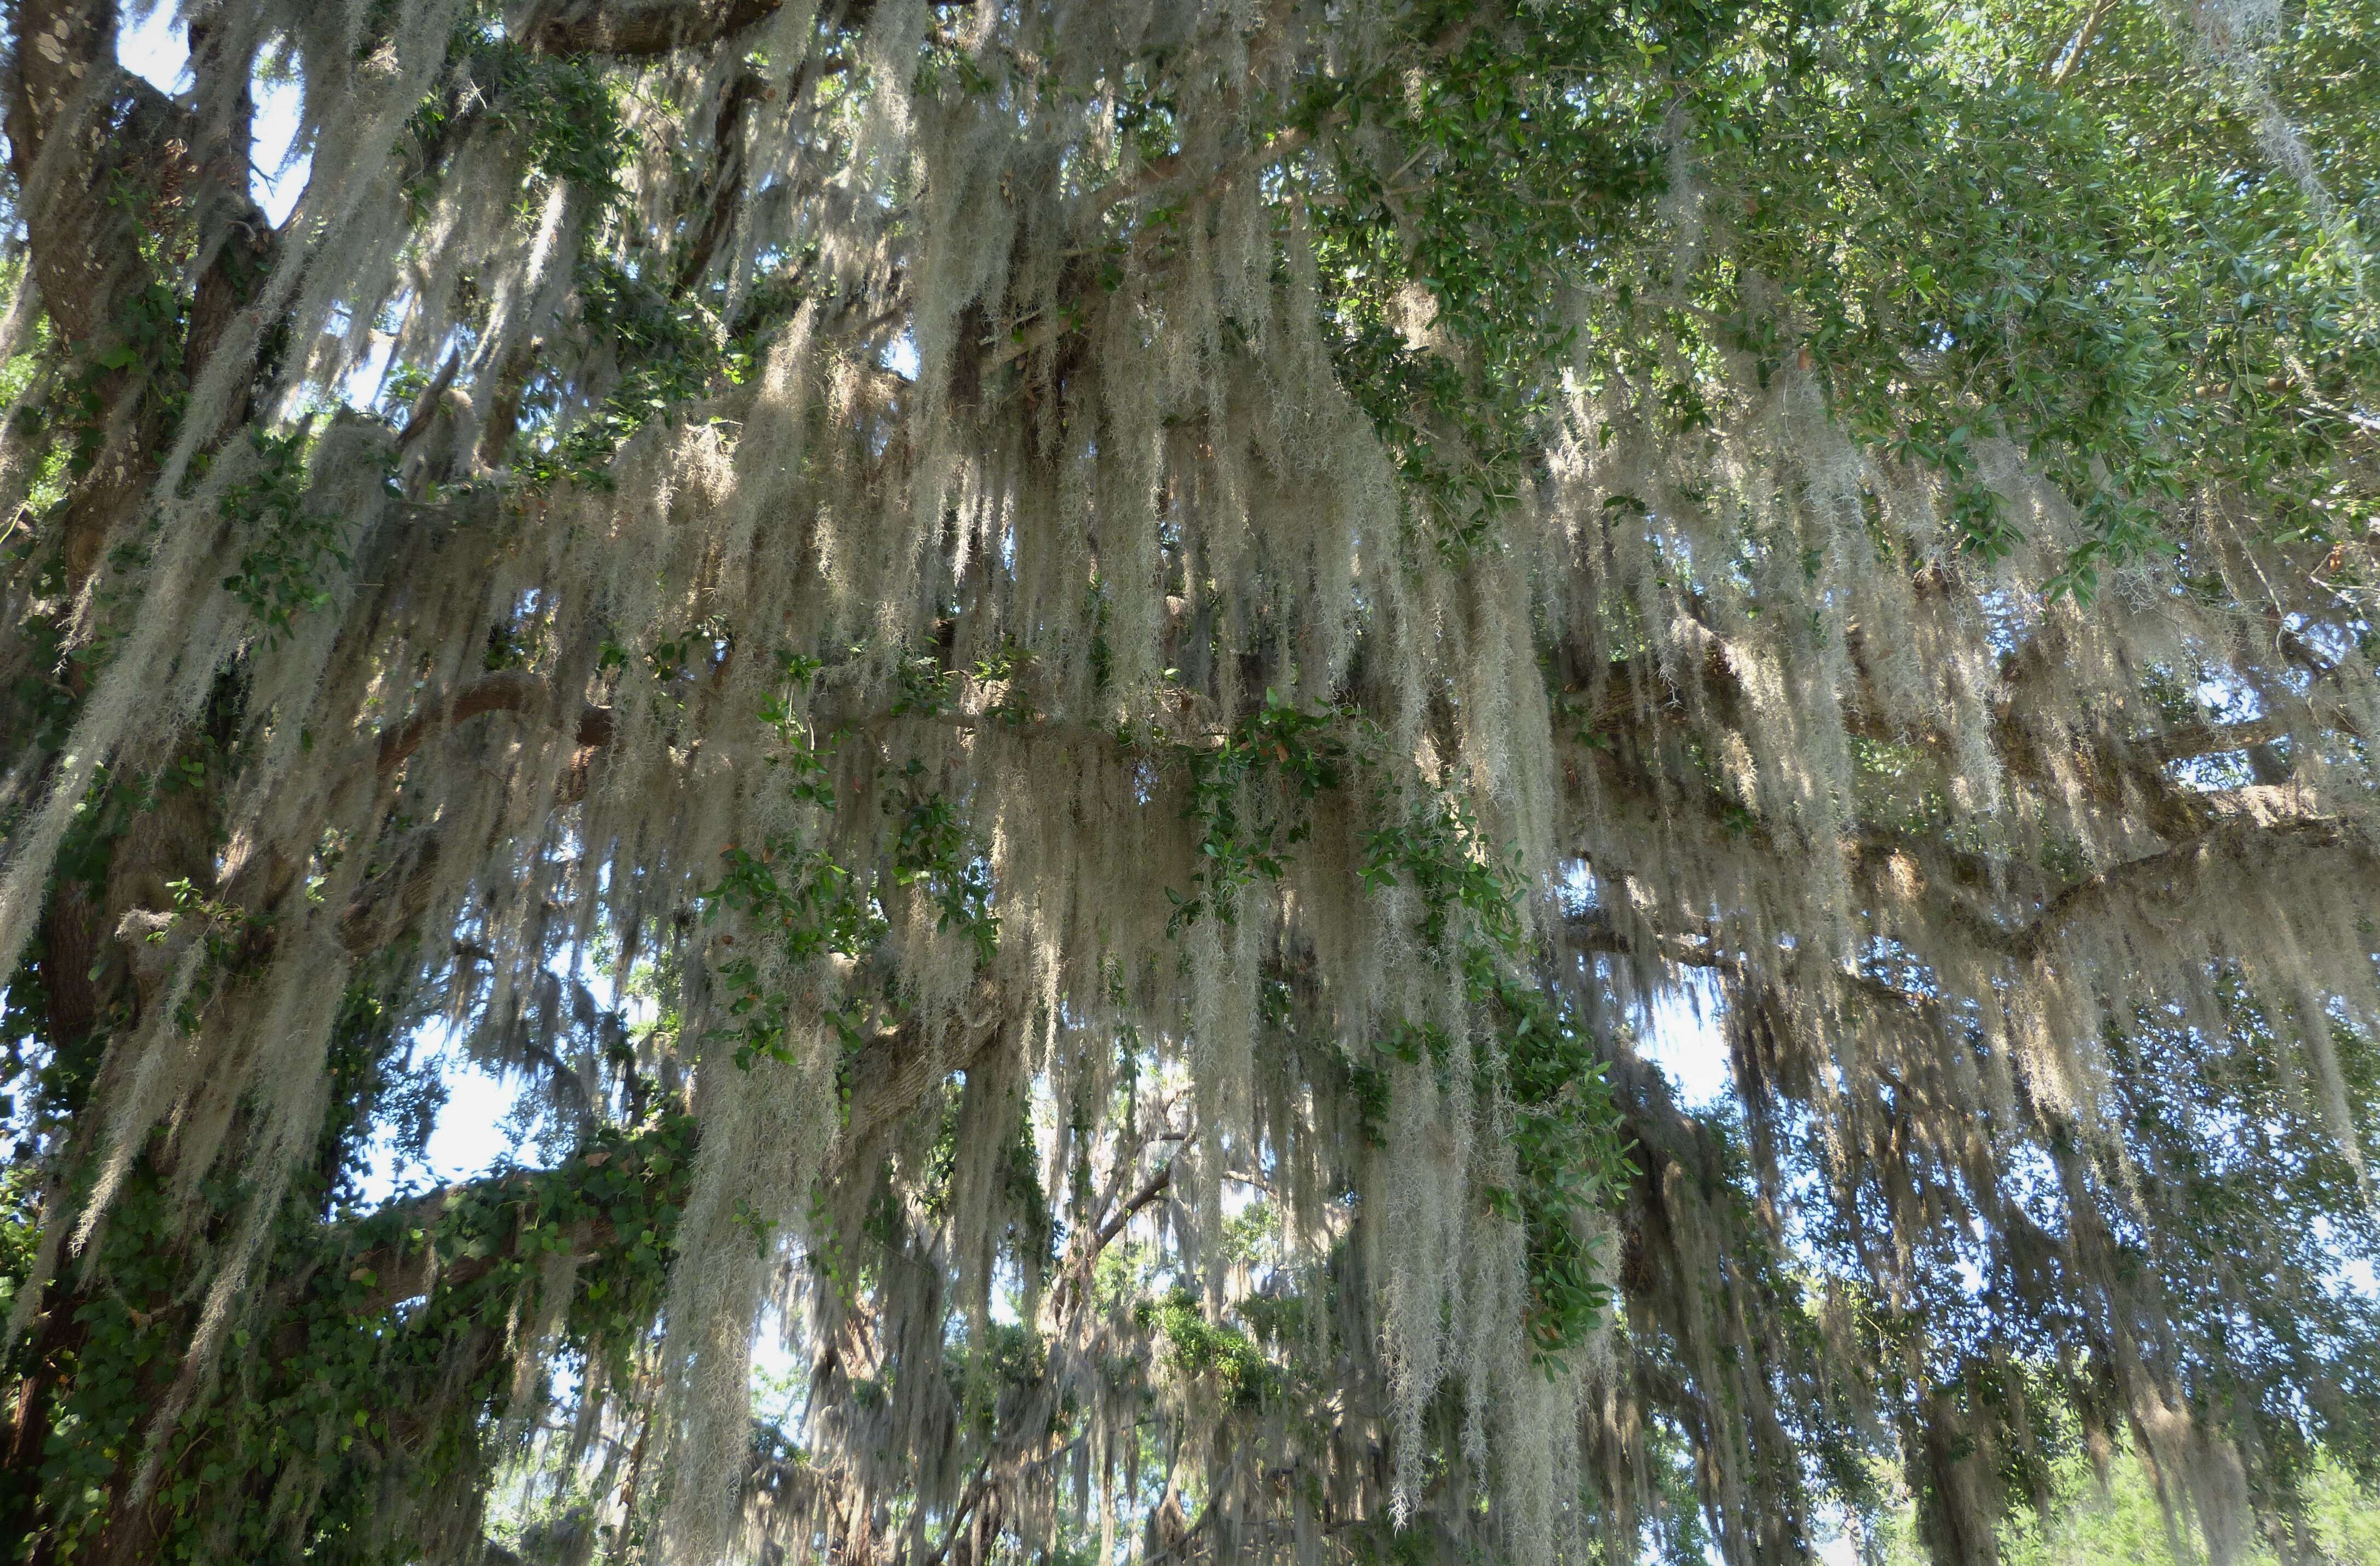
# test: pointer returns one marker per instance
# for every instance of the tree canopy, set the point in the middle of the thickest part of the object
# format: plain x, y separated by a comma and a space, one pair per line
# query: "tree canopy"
1064, 684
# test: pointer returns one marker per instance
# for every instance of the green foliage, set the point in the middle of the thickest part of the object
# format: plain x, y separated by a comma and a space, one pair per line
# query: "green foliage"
1524, 150
672, 350
1984, 253
1572, 1151
2116, 277
567, 114
2119, 1522
150, 327
797, 897
928, 690
338, 1364
933, 850
1567, 1130
288, 546
1200, 1349
42, 696
1241, 838
807, 905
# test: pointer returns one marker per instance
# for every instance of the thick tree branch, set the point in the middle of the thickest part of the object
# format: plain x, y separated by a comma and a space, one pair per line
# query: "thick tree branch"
2276, 830
890, 1077
631, 27
1073, 1284
637, 26
2194, 740
2176, 875
507, 690
725, 194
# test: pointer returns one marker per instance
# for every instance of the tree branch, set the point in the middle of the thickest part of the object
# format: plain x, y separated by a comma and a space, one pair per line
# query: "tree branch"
2072, 59
637, 26
2175, 874
657, 26
890, 1077
1074, 1282
507, 690
2211, 739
